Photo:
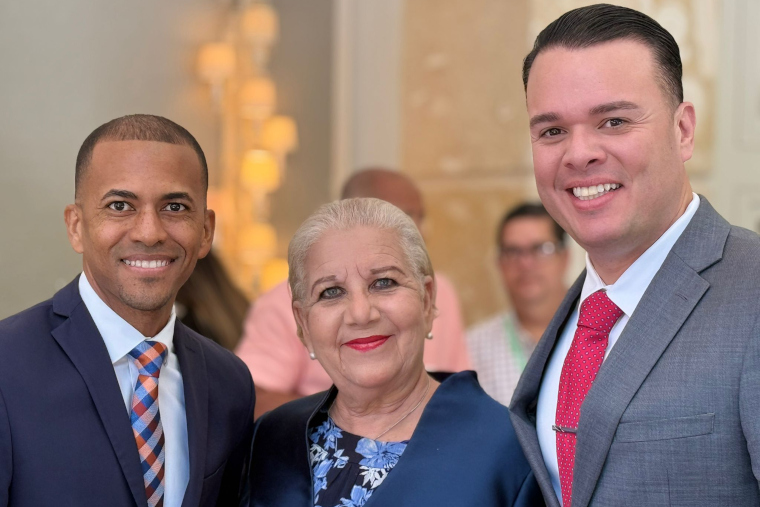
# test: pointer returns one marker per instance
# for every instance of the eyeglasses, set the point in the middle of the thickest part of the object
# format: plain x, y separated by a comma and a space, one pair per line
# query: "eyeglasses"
539, 251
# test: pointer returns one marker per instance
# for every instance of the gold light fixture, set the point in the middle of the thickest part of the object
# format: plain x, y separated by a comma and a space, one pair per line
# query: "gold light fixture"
279, 134
257, 244
255, 142
258, 98
259, 172
259, 24
216, 63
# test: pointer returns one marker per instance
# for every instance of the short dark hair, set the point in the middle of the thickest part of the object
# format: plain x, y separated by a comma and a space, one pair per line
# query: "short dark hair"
595, 24
137, 127
533, 210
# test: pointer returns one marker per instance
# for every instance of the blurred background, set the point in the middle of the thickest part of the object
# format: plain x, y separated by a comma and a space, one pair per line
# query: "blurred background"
289, 97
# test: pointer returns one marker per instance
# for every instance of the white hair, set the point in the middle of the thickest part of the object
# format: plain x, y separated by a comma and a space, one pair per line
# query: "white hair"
348, 214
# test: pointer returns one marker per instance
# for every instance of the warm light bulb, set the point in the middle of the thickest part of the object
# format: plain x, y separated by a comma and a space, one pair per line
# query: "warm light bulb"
258, 98
216, 62
259, 172
260, 25
257, 243
280, 134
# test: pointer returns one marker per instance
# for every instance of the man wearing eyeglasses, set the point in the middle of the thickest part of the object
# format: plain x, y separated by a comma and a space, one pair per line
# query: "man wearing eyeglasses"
532, 261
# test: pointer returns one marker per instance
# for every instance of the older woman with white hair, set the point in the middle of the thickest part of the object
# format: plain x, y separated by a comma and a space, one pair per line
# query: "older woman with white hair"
386, 433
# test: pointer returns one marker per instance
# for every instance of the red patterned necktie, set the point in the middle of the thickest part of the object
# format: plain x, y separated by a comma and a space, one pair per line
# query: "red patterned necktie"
146, 421
597, 316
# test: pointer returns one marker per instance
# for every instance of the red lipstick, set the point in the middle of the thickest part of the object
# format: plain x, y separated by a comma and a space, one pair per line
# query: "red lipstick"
367, 344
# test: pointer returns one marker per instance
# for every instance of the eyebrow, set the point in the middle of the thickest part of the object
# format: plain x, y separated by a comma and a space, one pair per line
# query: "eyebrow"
543, 118
612, 106
125, 194
596, 110
177, 195
385, 269
330, 278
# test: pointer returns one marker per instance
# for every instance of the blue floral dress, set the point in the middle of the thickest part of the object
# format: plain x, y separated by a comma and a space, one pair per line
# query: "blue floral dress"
347, 468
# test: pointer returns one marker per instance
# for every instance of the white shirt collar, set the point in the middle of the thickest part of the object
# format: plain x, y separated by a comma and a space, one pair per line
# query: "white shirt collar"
628, 290
119, 336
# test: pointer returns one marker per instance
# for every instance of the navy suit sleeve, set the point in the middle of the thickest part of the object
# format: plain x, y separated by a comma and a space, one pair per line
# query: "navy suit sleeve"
234, 488
6, 456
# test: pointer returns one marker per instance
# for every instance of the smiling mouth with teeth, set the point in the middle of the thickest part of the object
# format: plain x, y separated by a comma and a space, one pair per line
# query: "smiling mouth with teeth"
594, 191
146, 264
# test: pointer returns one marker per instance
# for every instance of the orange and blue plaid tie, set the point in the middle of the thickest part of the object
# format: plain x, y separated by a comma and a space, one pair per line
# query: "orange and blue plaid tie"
146, 421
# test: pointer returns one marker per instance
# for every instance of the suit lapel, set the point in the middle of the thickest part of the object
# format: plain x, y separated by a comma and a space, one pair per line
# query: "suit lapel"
523, 405
192, 364
666, 305
82, 343
668, 301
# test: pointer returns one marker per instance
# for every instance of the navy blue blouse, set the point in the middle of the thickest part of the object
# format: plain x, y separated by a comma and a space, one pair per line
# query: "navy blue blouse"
463, 453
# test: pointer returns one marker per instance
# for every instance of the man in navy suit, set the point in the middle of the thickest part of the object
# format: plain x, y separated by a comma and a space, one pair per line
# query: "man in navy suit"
105, 397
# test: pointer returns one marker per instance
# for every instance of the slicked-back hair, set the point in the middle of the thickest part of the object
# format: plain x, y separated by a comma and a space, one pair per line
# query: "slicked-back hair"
596, 24
532, 210
138, 127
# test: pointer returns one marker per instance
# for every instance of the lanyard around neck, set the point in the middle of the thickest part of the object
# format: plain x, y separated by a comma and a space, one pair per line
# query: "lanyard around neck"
518, 353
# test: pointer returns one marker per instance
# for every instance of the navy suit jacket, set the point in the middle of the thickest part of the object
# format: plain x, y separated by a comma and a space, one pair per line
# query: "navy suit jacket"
65, 436
463, 453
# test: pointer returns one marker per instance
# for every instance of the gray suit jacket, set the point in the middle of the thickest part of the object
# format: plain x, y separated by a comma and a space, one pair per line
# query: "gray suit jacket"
673, 417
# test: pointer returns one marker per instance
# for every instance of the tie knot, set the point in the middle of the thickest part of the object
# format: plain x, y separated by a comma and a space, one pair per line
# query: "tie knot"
149, 356
599, 313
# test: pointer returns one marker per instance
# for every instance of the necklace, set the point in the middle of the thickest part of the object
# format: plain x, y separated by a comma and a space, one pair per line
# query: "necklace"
424, 395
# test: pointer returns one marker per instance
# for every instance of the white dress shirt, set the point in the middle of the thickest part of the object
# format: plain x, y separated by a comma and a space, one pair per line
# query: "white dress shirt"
120, 337
626, 293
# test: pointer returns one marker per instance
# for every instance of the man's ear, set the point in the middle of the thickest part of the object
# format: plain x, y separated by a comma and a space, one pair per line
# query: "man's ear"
686, 123
72, 215
299, 314
209, 225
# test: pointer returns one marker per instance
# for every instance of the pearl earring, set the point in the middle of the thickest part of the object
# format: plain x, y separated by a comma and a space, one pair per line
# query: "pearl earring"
429, 336
312, 355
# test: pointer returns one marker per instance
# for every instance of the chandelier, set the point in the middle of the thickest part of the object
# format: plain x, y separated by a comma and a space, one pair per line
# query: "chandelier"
255, 142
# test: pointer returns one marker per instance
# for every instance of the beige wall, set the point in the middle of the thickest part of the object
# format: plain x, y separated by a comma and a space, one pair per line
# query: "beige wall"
735, 180
463, 137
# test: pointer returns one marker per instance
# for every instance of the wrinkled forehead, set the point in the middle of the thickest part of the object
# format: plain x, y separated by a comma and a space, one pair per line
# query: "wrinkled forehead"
355, 252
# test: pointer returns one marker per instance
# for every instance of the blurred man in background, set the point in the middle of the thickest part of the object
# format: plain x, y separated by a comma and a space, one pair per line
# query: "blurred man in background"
532, 262
279, 362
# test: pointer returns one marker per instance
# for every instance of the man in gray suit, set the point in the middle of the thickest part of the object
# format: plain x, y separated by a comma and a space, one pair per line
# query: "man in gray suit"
645, 388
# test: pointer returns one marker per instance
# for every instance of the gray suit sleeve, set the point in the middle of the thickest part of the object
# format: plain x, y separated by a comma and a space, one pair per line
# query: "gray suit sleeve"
6, 456
749, 398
